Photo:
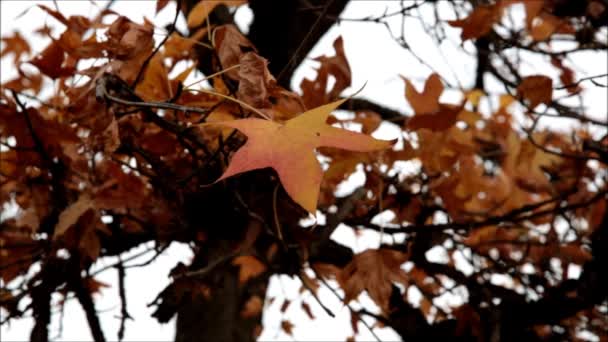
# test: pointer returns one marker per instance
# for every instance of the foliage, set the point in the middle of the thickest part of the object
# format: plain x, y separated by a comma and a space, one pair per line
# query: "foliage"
100, 158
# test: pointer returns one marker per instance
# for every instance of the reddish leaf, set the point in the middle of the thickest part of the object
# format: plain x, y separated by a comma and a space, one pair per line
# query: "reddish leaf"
50, 62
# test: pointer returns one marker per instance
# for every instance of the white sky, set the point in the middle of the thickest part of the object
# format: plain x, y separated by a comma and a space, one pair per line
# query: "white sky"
374, 58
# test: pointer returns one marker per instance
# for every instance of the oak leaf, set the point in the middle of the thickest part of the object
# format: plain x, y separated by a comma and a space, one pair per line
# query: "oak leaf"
289, 149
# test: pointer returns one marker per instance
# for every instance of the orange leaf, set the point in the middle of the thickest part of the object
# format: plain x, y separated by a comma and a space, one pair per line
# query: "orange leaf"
536, 89
429, 112
289, 149
439, 121
426, 102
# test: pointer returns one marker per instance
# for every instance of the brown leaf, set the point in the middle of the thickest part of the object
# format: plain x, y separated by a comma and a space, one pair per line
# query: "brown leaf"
230, 45
439, 121
536, 89
479, 22
546, 25
370, 121
285, 305
566, 75
426, 102
254, 80
375, 271
249, 267
15, 45
307, 310
314, 91
50, 62
127, 40
287, 327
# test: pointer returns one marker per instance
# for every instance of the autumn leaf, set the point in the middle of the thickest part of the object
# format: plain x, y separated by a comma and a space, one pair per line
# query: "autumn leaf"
50, 62
15, 45
289, 149
430, 113
536, 89
314, 92
374, 270
479, 22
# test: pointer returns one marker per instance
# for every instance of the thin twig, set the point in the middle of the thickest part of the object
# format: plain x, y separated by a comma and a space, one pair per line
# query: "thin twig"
147, 61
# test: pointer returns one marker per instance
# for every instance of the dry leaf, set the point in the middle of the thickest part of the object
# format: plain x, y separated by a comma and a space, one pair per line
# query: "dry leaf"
375, 271
536, 89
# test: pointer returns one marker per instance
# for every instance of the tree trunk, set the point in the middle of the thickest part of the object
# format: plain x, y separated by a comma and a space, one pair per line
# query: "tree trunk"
221, 316
284, 32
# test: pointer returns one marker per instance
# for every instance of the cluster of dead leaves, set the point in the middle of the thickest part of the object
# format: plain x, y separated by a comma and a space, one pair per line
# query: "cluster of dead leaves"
541, 24
77, 157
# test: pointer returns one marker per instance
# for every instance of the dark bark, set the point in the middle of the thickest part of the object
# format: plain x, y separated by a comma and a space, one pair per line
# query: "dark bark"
285, 31
220, 316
